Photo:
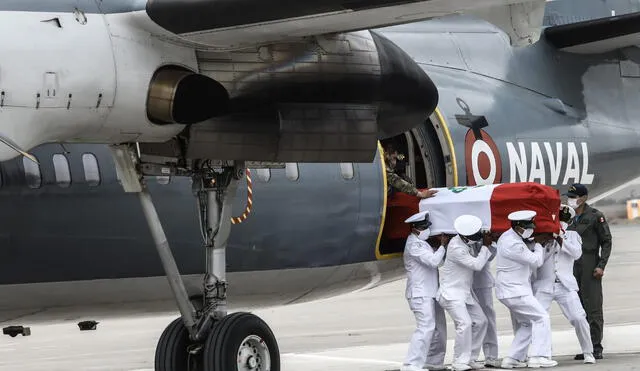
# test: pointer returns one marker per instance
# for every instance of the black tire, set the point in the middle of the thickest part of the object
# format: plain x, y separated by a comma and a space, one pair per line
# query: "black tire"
223, 344
172, 350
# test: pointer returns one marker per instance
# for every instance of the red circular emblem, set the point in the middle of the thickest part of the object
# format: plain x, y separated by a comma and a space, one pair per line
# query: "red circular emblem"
482, 159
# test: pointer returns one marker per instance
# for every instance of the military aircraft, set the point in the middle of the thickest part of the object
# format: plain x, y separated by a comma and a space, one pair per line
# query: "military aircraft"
181, 107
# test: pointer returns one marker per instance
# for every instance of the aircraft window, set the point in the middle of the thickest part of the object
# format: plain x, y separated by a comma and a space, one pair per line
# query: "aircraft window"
61, 169
346, 169
32, 173
163, 179
264, 174
291, 171
91, 170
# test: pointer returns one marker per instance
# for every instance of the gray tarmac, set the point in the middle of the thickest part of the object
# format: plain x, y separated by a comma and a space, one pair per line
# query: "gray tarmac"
363, 331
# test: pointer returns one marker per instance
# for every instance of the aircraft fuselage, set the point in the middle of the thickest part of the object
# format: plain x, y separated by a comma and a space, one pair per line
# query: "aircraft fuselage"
506, 115
541, 115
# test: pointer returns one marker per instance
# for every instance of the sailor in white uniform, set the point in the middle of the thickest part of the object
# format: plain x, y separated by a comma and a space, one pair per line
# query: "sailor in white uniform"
555, 281
421, 262
455, 294
514, 265
483, 284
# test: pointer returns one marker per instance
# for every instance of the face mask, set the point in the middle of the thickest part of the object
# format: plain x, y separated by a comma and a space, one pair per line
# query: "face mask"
527, 233
424, 235
475, 237
564, 225
467, 240
573, 203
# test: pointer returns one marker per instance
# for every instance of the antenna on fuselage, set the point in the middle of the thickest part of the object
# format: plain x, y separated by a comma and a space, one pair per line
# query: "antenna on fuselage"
17, 148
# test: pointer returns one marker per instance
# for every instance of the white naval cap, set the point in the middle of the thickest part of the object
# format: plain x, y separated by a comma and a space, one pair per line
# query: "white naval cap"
522, 215
419, 217
467, 225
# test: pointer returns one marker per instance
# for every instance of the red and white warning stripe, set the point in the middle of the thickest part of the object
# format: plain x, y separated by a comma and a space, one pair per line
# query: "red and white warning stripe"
247, 210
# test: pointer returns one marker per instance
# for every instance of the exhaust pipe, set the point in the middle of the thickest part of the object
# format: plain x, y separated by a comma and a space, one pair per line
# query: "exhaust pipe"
179, 96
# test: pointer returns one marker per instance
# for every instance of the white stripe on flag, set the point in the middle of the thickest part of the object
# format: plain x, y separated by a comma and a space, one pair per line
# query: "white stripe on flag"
450, 203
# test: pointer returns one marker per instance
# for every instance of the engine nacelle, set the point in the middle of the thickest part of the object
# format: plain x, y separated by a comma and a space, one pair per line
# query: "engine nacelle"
179, 96
323, 100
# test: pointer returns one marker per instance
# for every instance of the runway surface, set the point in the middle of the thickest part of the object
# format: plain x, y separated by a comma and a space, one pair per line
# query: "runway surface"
364, 331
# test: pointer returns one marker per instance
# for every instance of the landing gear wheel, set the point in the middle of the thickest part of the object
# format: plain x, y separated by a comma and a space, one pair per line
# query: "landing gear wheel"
238, 342
172, 351
241, 342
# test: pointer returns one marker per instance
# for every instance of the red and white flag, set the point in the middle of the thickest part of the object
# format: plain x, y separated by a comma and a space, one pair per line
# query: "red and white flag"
492, 204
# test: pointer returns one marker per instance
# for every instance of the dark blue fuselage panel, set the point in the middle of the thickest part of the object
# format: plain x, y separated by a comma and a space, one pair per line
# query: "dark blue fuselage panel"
85, 232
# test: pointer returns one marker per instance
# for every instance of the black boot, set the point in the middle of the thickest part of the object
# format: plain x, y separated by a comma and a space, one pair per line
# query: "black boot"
580, 357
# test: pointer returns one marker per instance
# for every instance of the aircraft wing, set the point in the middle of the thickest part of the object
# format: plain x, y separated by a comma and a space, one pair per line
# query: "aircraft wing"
236, 24
522, 22
596, 36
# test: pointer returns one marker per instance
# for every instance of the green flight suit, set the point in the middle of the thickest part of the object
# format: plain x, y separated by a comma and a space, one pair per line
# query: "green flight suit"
596, 249
395, 181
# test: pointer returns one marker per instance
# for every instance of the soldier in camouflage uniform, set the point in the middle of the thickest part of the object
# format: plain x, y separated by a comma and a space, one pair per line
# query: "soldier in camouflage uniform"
396, 182
589, 268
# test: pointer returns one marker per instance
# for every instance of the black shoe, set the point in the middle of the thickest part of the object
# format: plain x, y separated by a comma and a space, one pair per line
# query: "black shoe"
597, 351
580, 357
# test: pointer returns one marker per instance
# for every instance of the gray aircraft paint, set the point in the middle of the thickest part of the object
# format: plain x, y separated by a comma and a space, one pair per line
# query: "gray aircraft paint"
518, 90
556, 12
69, 6
563, 12
82, 233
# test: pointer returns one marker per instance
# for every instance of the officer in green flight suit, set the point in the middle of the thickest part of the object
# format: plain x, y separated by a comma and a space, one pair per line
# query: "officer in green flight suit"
592, 226
395, 181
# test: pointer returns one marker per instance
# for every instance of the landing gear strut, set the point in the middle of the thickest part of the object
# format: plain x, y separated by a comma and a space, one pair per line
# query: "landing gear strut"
206, 339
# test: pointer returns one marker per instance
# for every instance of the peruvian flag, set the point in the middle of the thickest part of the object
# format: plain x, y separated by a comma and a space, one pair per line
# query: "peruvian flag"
492, 204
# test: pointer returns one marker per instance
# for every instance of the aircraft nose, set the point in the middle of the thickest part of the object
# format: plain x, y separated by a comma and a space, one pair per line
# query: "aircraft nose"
408, 95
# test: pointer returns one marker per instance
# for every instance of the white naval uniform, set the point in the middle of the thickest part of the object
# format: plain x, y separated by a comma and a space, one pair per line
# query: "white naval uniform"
514, 266
555, 281
483, 284
515, 325
456, 297
421, 264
